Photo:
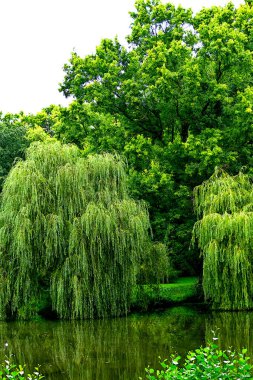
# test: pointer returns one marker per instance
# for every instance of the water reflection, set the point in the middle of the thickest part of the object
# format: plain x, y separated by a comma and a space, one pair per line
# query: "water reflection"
119, 348
234, 329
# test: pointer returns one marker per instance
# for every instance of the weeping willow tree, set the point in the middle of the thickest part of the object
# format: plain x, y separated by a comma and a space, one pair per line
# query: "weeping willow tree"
69, 232
224, 205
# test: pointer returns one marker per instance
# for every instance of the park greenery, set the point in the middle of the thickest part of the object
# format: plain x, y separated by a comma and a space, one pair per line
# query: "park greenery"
225, 204
10, 370
208, 362
98, 197
70, 232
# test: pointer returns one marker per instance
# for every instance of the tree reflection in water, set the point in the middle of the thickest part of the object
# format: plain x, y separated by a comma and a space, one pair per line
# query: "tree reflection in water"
120, 348
234, 329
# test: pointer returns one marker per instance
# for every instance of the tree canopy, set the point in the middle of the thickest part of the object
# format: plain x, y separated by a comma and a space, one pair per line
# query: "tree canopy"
224, 205
13, 142
70, 234
175, 101
178, 98
180, 73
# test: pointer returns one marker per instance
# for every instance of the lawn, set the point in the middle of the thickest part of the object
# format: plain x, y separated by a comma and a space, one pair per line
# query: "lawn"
182, 290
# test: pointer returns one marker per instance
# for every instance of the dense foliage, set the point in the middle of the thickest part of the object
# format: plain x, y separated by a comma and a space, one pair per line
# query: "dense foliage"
69, 232
11, 371
224, 205
12, 142
205, 363
177, 102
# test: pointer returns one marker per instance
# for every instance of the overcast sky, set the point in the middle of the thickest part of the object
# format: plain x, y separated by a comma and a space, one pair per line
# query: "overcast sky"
37, 37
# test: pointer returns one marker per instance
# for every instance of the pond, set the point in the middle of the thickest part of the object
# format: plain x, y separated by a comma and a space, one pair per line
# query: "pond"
120, 349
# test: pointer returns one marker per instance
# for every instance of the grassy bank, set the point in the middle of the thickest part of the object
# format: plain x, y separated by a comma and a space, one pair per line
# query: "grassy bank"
182, 290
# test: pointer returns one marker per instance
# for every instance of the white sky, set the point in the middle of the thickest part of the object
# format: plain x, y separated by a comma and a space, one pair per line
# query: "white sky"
37, 37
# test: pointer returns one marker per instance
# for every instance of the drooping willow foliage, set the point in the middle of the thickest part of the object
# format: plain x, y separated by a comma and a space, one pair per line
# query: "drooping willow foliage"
224, 205
69, 232
156, 267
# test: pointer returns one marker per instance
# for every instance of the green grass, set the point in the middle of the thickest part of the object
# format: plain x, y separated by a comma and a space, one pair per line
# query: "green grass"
181, 290
148, 296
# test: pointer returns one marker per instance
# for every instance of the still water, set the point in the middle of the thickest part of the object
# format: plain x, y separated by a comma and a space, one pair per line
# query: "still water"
120, 349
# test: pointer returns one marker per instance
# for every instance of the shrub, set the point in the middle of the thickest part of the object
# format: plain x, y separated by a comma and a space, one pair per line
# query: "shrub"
205, 363
10, 371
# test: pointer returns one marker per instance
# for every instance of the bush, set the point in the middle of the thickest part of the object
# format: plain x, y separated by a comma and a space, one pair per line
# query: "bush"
205, 363
10, 371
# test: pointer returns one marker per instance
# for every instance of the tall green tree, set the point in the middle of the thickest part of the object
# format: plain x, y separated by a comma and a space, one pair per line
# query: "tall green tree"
127, 82
180, 74
181, 96
224, 205
69, 231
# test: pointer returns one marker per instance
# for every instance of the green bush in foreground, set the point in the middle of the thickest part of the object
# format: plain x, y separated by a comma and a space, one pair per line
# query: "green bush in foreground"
10, 371
205, 363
